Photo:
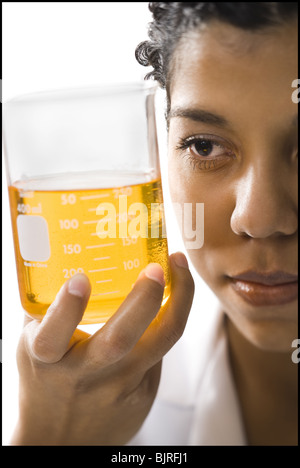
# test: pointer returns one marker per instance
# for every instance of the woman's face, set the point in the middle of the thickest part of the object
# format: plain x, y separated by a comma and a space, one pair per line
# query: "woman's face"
233, 147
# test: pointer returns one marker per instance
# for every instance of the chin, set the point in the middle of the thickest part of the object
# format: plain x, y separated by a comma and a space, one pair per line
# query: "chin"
271, 335
269, 328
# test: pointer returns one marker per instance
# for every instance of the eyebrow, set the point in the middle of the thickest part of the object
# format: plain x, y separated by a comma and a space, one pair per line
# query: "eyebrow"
198, 115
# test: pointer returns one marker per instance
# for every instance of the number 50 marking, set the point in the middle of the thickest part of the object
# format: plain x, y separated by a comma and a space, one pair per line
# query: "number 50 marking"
68, 198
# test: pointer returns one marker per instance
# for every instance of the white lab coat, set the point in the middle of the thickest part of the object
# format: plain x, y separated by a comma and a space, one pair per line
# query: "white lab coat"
196, 403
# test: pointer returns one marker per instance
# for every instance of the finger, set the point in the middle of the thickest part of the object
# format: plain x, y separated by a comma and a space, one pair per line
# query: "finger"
27, 320
120, 334
169, 324
51, 339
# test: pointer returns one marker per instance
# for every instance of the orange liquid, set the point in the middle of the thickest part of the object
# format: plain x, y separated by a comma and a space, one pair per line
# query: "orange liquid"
59, 233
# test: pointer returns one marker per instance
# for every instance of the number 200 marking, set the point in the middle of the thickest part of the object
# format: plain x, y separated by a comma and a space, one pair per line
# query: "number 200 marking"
72, 271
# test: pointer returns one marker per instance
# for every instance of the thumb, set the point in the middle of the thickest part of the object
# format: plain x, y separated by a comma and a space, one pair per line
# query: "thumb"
51, 338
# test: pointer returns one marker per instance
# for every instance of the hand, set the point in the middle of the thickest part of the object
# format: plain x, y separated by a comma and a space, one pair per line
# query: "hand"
81, 389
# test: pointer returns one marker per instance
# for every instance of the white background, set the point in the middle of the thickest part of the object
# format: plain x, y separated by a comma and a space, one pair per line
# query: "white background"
56, 45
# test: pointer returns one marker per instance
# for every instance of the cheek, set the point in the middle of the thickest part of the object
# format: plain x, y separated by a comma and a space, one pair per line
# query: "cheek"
190, 187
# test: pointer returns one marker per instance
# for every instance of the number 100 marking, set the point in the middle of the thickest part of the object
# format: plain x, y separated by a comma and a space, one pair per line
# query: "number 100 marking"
130, 264
68, 223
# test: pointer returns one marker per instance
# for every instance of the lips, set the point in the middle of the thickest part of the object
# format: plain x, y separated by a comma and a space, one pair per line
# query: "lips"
266, 289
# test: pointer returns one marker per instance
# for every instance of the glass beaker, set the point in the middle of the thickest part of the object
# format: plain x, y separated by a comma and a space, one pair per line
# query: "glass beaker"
85, 193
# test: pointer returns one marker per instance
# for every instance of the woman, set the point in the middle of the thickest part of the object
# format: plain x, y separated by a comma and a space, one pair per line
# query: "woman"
228, 69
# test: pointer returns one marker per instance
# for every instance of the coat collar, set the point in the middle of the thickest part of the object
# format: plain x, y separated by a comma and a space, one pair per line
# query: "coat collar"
197, 376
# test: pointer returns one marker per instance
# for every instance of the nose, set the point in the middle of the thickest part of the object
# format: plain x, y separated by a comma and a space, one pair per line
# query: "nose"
264, 205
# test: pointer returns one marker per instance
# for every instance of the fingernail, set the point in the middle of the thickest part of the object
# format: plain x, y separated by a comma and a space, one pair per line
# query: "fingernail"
155, 272
180, 260
78, 285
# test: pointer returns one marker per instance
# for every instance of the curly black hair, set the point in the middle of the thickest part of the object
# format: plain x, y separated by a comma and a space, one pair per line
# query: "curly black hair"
172, 19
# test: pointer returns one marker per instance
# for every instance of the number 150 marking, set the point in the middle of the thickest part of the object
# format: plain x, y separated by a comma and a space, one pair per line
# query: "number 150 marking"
72, 248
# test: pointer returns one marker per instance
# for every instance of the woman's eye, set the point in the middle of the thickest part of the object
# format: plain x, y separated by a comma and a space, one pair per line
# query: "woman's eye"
205, 153
207, 148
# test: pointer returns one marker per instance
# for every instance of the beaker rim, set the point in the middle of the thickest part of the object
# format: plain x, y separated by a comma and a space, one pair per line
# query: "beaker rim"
105, 89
